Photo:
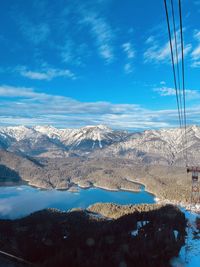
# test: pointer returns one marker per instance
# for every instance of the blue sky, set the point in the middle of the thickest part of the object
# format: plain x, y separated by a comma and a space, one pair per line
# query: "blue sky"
73, 63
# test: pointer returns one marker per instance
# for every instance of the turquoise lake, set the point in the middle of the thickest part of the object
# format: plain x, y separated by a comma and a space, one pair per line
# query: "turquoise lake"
19, 201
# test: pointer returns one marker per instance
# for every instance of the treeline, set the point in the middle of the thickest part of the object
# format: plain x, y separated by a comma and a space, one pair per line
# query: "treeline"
8, 175
82, 238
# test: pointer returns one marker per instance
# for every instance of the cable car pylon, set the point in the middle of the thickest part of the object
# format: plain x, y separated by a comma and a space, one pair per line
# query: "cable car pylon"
195, 192
180, 92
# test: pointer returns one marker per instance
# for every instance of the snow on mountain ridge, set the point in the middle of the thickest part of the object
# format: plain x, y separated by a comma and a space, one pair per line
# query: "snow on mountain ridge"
87, 138
165, 146
157, 146
18, 132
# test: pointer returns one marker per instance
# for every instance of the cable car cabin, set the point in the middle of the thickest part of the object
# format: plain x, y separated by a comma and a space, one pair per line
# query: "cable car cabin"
195, 176
195, 172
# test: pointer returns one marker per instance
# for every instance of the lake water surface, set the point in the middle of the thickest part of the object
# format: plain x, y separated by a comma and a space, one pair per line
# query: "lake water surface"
19, 201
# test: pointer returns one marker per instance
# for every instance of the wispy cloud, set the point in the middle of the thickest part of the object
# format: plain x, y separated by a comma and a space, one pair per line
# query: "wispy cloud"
128, 49
197, 35
11, 91
128, 68
72, 31
45, 74
168, 91
162, 82
21, 105
35, 33
101, 32
165, 91
98, 33
195, 55
159, 52
73, 53
130, 55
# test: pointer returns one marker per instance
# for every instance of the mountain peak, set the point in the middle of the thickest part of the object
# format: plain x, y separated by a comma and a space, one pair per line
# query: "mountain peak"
98, 126
44, 127
87, 138
163, 146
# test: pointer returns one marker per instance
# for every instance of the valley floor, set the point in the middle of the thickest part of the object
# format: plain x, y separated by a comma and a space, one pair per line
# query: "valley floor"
165, 182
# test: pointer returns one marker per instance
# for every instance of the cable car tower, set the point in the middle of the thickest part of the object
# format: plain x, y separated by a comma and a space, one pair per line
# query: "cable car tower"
177, 59
195, 193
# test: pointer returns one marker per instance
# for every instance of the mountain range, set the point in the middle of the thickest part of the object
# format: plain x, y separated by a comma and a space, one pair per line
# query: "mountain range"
163, 147
47, 141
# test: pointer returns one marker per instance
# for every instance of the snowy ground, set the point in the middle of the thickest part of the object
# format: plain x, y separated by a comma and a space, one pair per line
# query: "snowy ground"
190, 254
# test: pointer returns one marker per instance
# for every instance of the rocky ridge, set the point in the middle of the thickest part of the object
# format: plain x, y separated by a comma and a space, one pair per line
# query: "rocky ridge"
161, 147
48, 141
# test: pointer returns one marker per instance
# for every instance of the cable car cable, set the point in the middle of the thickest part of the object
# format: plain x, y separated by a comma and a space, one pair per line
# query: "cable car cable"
172, 59
183, 78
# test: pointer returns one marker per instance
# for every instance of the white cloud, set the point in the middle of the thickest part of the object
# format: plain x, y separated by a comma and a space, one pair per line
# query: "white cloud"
21, 105
155, 53
130, 55
195, 55
106, 52
128, 68
161, 53
45, 74
128, 49
99, 35
11, 91
168, 91
79, 29
165, 91
197, 35
195, 64
150, 39
162, 82
101, 32
74, 53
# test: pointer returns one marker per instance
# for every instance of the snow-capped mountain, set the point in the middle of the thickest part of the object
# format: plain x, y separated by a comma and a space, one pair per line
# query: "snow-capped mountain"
41, 140
166, 146
85, 138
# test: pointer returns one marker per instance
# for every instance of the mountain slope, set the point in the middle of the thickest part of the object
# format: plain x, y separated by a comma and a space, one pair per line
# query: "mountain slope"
49, 141
166, 146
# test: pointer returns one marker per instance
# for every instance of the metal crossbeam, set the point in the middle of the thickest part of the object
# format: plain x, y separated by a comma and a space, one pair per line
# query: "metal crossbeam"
193, 169
195, 193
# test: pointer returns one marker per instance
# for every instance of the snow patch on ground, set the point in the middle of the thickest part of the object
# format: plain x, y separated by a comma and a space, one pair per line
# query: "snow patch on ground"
190, 253
134, 232
176, 234
140, 224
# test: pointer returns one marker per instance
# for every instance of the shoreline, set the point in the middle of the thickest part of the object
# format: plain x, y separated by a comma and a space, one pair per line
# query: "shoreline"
157, 199
95, 186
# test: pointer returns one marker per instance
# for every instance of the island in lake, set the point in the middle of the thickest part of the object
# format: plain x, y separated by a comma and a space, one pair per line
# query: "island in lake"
51, 172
